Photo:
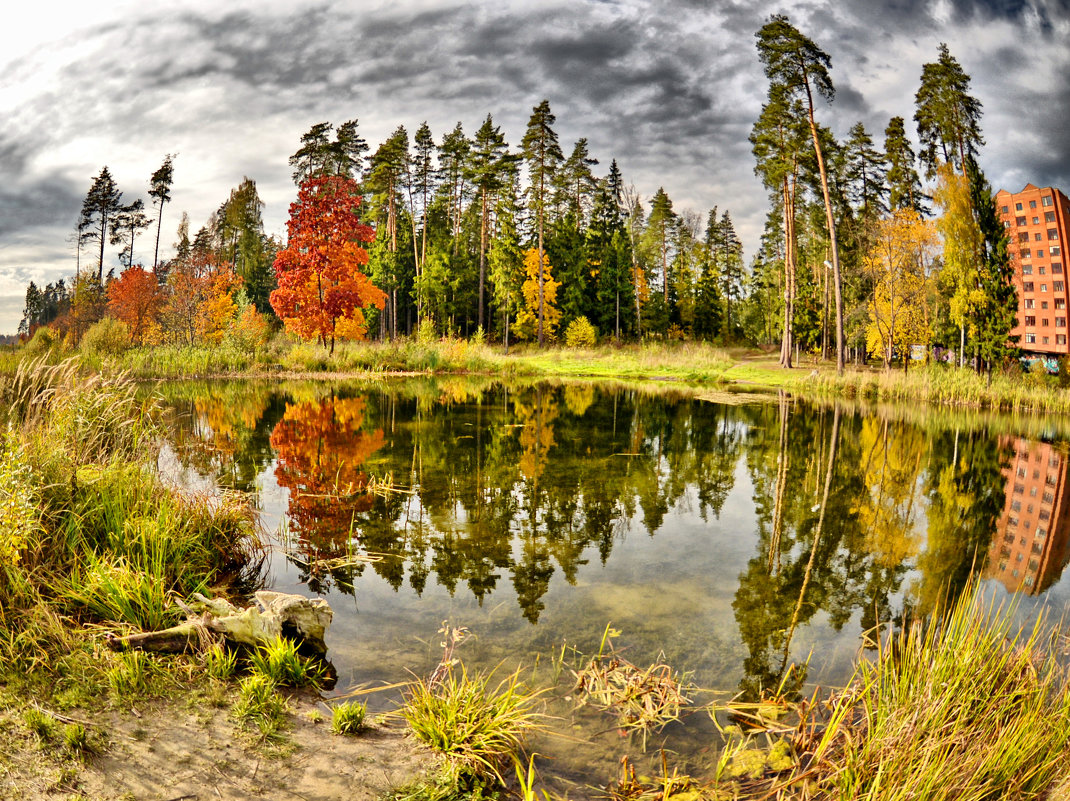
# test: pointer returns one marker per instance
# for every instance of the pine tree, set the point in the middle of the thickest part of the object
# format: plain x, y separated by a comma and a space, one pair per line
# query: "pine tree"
160, 192
543, 155
488, 170
798, 67
128, 223
101, 206
948, 117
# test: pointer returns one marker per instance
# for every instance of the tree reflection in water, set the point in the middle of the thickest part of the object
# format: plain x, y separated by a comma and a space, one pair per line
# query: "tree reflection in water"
859, 517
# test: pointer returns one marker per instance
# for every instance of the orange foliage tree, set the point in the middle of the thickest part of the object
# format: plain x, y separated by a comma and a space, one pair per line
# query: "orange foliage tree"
321, 289
201, 304
135, 299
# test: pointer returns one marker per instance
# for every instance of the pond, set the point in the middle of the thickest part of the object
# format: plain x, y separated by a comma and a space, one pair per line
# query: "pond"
747, 541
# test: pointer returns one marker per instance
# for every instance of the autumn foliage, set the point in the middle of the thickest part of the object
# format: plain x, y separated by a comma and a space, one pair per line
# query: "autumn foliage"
321, 287
321, 446
135, 299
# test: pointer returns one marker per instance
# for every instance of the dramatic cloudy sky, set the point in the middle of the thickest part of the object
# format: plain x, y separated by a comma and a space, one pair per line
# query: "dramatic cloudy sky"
670, 88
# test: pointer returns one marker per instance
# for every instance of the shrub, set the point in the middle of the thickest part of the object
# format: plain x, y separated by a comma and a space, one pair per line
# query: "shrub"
44, 340
107, 337
581, 334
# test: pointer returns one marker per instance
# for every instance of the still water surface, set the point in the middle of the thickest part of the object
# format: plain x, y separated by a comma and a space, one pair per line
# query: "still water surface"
731, 536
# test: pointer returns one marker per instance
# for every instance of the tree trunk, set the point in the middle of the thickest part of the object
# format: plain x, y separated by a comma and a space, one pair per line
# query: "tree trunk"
832, 231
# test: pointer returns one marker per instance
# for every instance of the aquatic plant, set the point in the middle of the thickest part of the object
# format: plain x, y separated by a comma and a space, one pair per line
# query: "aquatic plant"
643, 699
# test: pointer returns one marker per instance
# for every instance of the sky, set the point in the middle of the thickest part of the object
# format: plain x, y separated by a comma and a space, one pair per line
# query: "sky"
668, 88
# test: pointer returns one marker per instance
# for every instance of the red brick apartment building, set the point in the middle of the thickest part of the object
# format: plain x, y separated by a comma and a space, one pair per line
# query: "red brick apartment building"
1038, 224
1029, 549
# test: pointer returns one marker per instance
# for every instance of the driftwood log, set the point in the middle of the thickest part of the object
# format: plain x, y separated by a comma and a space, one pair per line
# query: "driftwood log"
274, 614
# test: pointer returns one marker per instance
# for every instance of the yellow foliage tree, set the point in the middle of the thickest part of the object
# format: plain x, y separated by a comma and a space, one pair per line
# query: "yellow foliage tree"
898, 263
962, 239
527, 320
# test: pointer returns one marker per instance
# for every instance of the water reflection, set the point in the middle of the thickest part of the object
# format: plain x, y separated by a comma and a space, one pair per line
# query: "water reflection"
1030, 549
834, 521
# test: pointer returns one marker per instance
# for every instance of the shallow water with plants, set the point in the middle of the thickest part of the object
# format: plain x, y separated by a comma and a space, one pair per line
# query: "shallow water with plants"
743, 543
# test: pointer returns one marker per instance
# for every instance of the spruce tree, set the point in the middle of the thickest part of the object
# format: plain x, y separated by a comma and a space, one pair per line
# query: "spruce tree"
997, 314
904, 185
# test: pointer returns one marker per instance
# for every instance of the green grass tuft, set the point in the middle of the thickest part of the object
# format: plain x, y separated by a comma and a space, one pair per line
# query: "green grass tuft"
348, 717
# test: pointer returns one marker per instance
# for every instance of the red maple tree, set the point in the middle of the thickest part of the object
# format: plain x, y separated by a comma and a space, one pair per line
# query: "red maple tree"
321, 288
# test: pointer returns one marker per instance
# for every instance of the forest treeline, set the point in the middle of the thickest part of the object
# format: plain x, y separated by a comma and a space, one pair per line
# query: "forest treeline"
468, 234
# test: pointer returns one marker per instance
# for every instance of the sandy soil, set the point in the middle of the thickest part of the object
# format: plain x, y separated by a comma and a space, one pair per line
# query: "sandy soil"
164, 753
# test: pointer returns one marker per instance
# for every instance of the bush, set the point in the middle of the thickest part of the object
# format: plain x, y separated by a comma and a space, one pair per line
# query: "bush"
581, 334
44, 339
108, 337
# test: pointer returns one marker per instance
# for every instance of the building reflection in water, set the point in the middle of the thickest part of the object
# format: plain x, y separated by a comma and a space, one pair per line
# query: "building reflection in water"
1030, 548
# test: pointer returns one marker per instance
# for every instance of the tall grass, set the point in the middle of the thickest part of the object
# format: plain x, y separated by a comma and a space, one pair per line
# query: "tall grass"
479, 729
103, 537
938, 384
967, 707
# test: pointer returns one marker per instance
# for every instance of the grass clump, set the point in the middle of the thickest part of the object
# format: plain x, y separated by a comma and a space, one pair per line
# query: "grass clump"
965, 707
479, 729
41, 724
280, 662
348, 717
260, 705
220, 662
131, 675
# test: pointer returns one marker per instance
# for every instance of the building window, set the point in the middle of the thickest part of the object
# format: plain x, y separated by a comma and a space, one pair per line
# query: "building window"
1053, 234
1004, 209
1044, 322
1019, 221
1037, 236
1043, 304
1060, 322
1056, 268
1031, 339
1017, 206
1036, 221
1057, 286
1060, 303
1060, 339
1043, 270
1026, 253
1031, 320
1032, 204
1046, 200
1023, 236
1043, 287
1006, 223
1027, 286
1043, 341
1055, 250
1029, 303
1049, 216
